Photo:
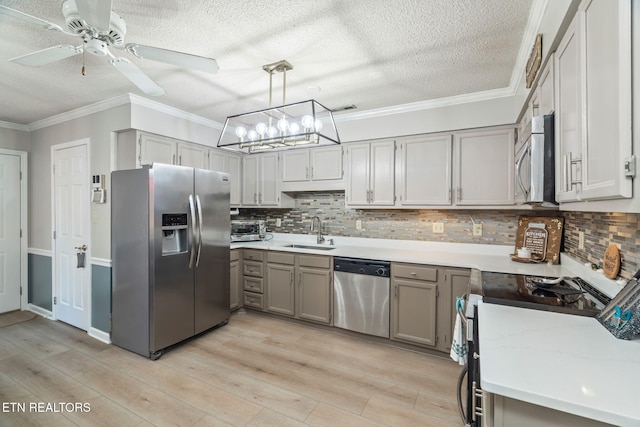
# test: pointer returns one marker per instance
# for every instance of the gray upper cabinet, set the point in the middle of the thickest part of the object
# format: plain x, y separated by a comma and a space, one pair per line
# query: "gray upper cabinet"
593, 95
312, 169
371, 174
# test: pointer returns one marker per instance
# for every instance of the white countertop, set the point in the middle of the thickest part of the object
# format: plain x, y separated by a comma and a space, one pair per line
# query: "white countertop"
565, 362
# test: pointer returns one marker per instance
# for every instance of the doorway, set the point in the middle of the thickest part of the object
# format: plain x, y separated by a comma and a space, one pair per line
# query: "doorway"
71, 234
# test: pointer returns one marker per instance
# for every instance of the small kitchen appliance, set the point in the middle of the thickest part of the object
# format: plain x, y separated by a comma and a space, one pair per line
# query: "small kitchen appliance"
535, 168
247, 230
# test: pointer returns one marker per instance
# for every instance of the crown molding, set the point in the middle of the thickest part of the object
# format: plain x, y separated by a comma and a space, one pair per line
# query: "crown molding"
14, 126
79, 112
426, 105
172, 111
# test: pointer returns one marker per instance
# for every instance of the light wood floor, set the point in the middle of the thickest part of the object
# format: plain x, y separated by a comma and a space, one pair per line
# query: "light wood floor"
255, 371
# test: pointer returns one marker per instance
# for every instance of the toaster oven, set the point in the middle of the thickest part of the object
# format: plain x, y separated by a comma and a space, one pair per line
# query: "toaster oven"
247, 230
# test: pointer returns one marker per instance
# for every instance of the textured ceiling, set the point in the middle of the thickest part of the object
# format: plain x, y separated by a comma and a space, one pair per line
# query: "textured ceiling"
371, 53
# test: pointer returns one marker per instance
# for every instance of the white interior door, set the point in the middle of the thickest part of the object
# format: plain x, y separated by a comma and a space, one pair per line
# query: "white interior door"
71, 232
10, 258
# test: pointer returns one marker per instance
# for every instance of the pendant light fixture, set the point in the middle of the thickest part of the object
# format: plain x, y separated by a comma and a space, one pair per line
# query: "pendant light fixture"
301, 124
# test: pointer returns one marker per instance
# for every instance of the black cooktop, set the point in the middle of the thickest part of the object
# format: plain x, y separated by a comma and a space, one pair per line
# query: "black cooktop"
572, 295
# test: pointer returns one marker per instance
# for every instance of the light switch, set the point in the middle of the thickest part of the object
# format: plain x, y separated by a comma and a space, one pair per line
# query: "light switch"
438, 227
358, 224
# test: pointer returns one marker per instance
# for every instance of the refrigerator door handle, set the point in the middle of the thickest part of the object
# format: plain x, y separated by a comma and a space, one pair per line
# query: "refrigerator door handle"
192, 211
199, 210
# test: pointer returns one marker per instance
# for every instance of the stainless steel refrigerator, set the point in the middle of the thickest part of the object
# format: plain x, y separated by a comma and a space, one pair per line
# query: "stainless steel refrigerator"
170, 234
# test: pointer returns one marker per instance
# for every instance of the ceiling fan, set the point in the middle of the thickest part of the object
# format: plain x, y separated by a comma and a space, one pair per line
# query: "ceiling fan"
100, 28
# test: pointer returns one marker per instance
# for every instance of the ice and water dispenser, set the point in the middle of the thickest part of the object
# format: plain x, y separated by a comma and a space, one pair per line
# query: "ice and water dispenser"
174, 234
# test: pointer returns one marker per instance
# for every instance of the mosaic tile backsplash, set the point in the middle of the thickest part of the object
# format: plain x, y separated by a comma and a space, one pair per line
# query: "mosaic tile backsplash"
499, 226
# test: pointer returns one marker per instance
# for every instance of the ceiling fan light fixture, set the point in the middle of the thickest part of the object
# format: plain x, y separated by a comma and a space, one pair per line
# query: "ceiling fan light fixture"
287, 126
96, 47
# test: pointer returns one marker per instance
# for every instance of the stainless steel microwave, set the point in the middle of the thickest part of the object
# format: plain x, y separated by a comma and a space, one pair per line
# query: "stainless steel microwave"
535, 170
247, 230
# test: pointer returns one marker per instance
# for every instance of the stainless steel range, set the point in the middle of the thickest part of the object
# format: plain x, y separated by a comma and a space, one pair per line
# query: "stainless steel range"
571, 295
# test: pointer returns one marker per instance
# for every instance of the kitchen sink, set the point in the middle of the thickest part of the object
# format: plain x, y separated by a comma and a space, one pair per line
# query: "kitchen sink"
317, 247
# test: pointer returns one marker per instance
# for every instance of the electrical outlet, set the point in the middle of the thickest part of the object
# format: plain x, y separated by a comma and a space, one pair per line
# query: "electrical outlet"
477, 229
278, 222
358, 224
438, 227
581, 240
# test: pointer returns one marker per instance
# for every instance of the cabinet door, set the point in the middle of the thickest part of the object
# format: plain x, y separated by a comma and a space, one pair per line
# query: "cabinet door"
217, 160
606, 50
382, 179
326, 163
413, 312
314, 294
546, 99
358, 174
193, 155
425, 171
235, 181
457, 281
280, 289
235, 294
156, 149
568, 148
268, 194
485, 164
250, 165
295, 165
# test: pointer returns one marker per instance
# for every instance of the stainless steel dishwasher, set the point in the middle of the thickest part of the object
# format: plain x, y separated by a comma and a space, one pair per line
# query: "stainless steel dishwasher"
361, 295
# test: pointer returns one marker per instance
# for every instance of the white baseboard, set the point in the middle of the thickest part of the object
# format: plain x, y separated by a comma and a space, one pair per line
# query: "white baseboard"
103, 336
41, 311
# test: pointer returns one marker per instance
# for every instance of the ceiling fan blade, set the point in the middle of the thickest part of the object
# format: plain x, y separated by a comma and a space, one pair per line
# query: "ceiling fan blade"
31, 19
96, 13
136, 76
181, 59
47, 56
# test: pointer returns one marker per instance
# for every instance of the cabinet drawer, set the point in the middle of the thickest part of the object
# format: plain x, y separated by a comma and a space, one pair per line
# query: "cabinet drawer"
281, 258
253, 254
413, 271
253, 284
252, 268
253, 300
234, 255
314, 261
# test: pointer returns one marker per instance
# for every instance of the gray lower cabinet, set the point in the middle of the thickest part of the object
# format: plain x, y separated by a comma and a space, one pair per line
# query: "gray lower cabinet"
253, 278
280, 283
423, 303
315, 290
299, 286
414, 290
235, 276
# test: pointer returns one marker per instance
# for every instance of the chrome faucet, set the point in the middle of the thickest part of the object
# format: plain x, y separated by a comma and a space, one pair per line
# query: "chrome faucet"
320, 238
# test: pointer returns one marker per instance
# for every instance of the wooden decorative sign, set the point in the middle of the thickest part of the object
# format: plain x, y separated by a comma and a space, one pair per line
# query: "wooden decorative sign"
543, 235
611, 263
535, 59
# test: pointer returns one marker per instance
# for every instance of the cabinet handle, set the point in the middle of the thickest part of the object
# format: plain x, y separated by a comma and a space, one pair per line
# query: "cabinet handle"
312, 172
449, 194
259, 198
413, 274
299, 278
459, 193
173, 159
395, 291
180, 159
255, 198
306, 173
291, 277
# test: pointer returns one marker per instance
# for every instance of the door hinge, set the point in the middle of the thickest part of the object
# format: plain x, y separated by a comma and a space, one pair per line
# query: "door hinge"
21, 233
54, 234
53, 169
437, 293
630, 167
55, 300
436, 338
20, 175
20, 290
